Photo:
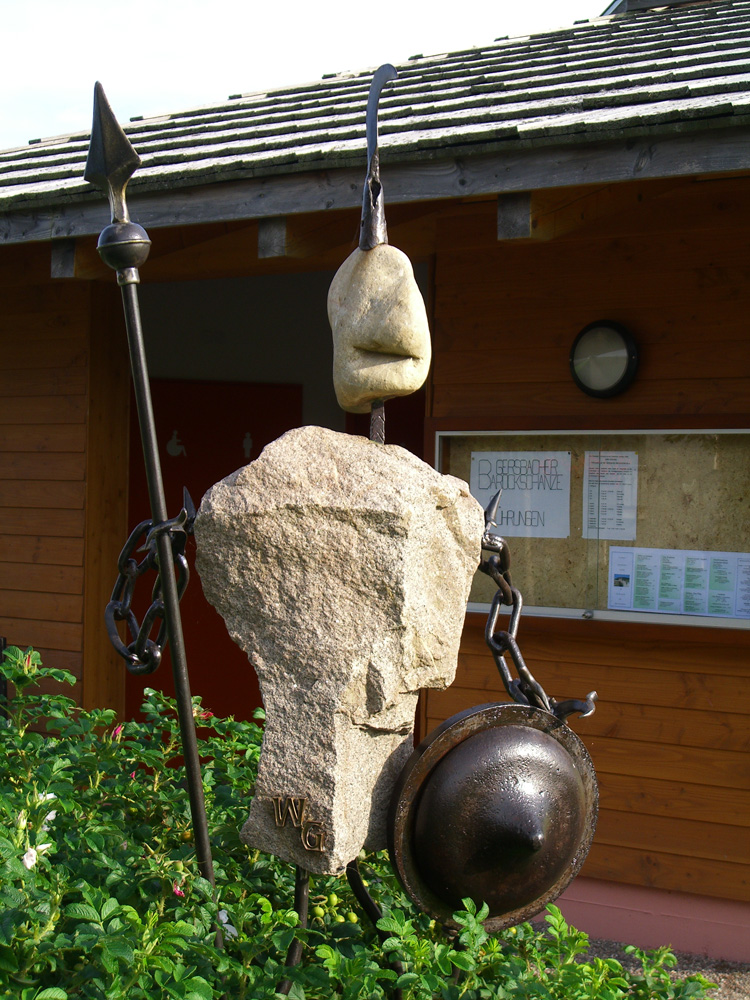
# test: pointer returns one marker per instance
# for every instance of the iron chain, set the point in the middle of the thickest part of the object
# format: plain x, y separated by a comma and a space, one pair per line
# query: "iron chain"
143, 654
523, 689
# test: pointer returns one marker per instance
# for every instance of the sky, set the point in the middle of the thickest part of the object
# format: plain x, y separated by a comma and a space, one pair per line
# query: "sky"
158, 56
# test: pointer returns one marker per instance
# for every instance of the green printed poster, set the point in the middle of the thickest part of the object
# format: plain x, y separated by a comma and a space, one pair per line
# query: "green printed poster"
679, 582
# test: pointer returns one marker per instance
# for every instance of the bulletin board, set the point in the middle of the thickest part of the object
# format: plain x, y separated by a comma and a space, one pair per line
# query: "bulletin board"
574, 503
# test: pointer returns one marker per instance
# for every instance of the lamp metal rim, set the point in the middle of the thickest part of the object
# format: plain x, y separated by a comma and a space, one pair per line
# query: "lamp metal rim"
631, 366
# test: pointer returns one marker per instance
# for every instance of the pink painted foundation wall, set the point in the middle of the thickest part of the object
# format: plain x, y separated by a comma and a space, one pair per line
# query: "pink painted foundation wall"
649, 918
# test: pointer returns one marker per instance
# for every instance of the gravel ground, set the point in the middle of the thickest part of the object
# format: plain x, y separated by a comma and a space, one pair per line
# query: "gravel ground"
732, 978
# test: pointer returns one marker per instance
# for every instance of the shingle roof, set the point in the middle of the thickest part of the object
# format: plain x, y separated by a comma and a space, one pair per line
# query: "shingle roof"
651, 71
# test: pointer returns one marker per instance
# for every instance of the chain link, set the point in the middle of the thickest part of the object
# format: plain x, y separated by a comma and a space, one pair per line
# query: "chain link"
143, 654
523, 689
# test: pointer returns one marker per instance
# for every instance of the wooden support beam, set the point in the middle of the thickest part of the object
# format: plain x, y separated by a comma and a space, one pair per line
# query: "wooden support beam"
514, 216
550, 213
272, 238
77, 258
320, 241
62, 258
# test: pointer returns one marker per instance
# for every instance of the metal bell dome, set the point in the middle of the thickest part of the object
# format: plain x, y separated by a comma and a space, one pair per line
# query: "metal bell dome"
498, 804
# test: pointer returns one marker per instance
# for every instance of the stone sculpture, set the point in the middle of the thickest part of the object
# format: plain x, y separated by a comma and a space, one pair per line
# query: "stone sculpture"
342, 567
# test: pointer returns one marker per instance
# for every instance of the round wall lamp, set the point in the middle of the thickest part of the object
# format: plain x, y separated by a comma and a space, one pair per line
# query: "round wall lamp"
603, 359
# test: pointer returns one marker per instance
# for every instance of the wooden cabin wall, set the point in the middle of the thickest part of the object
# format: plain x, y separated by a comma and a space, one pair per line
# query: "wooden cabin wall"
107, 526
43, 403
670, 737
63, 406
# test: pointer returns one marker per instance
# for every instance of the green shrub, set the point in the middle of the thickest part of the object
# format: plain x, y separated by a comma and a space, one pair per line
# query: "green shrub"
100, 896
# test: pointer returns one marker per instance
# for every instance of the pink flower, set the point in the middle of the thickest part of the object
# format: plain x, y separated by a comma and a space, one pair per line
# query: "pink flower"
117, 731
132, 774
176, 889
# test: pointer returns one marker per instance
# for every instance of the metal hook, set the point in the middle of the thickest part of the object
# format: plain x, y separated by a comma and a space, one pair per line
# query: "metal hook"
373, 229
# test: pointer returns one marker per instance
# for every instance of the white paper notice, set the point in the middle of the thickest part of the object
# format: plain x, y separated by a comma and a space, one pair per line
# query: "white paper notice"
610, 495
679, 582
536, 491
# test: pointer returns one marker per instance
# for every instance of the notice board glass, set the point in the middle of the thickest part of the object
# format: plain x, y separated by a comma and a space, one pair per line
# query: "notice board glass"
616, 524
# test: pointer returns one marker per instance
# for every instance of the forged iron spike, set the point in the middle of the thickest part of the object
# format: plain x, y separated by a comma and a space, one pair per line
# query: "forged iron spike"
383, 75
189, 507
490, 541
373, 229
111, 161
491, 512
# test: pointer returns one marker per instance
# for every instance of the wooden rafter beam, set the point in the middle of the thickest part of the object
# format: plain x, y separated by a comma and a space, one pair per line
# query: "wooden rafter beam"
550, 213
316, 241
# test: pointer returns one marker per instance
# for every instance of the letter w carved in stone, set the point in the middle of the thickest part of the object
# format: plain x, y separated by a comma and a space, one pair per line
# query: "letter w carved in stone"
290, 809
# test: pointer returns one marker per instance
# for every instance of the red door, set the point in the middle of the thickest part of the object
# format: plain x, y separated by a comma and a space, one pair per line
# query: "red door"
205, 430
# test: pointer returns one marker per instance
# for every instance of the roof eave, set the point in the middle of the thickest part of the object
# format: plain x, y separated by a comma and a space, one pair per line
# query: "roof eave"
486, 167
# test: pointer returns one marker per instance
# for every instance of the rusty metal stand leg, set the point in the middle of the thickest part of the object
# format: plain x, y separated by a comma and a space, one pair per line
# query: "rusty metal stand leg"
372, 910
301, 903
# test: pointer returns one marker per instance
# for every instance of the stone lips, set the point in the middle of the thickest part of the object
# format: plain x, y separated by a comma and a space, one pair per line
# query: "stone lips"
342, 567
381, 337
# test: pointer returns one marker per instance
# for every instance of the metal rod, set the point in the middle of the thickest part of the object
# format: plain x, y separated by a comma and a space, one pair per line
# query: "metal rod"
377, 421
157, 500
3, 682
372, 911
363, 897
301, 905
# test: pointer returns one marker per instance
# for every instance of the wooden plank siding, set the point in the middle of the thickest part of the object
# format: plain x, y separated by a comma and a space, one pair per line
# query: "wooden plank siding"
43, 411
107, 528
507, 313
671, 735
670, 741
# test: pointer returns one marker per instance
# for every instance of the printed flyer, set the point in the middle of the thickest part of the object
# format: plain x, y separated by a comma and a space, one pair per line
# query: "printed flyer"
535, 502
679, 582
610, 495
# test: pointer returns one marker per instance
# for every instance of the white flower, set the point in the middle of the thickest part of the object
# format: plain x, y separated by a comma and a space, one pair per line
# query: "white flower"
45, 797
29, 858
229, 930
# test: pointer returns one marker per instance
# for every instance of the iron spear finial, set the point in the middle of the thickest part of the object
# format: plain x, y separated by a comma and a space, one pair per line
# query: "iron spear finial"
373, 230
112, 161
